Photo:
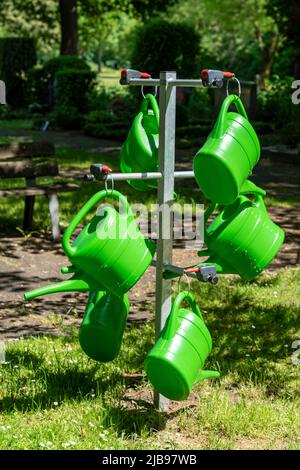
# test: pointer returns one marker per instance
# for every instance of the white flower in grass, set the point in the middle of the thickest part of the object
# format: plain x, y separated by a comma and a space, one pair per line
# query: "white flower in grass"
5, 428
55, 403
65, 445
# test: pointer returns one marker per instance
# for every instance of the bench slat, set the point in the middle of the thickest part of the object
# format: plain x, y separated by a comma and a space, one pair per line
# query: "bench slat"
28, 168
27, 149
40, 190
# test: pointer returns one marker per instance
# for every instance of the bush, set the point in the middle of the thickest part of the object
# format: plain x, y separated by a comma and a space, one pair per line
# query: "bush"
56, 64
67, 117
70, 93
40, 86
275, 104
290, 134
200, 106
17, 56
105, 124
161, 45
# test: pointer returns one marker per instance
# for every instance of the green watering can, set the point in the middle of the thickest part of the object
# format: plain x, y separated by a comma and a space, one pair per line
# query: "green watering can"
175, 362
228, 156
110, 252
103, 325
242, 239
139, 152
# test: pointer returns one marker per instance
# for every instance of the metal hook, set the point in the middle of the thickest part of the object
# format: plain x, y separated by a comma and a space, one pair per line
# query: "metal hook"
239, 86
142, 90
188, 281
112, 183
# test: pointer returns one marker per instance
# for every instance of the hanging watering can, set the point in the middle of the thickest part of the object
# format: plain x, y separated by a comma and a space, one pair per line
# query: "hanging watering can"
110, 248
103, 325
175, 362
228, 156
139, 152
109, 253
242, 239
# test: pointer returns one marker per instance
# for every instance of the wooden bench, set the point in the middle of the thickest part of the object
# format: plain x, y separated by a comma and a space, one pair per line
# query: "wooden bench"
30, 161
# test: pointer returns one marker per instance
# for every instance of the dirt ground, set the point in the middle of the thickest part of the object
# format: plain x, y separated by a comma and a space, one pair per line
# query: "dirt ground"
26, 264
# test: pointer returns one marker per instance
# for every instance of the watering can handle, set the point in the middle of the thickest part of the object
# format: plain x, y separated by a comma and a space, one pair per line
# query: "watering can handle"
219, 128
247, 188
150, 99
69, 250
184, 295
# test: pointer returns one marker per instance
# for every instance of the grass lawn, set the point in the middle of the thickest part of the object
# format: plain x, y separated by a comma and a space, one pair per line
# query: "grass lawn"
52, 396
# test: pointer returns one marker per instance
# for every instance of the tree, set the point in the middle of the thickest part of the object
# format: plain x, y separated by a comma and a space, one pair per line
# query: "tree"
31, 18
69, 27
240, 35
287, 15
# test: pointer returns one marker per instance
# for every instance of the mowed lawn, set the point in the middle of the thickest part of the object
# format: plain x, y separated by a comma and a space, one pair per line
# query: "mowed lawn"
52, 396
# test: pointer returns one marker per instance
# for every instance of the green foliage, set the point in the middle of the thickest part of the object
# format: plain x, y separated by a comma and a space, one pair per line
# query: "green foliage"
56, 64
37, 87
105, 124
275, 104
111, 112
161, 45
17, 56
40, 83
290, 133
32, 18
200, 105
70, 91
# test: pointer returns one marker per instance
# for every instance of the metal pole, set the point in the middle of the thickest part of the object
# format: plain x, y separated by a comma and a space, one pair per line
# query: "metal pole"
146, 176
166, 164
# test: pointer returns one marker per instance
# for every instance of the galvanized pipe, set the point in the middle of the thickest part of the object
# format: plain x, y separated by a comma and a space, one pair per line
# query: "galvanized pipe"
156, 82
145, 176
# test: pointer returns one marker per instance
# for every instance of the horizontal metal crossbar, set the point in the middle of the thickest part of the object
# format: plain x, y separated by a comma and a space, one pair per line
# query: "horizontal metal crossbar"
157, 82
145, 176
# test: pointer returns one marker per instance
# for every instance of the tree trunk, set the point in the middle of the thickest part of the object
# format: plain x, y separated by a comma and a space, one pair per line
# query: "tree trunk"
68, 25
268, 54
296, 30
99, 58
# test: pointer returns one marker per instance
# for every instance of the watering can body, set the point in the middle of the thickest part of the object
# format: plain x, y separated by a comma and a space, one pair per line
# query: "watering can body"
228, 156
103, 325
139, 153
242, 239
175, 362
110, 248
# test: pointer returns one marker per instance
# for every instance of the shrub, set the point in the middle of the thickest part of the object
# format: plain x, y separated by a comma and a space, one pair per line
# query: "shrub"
161, 45
40, 86
200, 106
70, 93
105, 124
275, 104
52, 66
67, 117
17, 56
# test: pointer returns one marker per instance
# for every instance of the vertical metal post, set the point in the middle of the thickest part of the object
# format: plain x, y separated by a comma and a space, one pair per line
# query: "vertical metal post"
167, 110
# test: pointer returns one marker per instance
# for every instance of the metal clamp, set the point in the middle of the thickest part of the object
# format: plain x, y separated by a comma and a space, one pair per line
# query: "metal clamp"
129, 74
204, 273
97, 171
215, 77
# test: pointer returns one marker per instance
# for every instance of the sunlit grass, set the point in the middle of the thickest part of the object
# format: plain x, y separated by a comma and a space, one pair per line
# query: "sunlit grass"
53, 396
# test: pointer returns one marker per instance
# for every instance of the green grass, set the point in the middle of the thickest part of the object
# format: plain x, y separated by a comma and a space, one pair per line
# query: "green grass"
16, 124
53, 396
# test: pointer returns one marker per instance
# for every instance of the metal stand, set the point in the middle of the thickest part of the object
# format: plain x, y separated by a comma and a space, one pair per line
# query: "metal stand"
167, 83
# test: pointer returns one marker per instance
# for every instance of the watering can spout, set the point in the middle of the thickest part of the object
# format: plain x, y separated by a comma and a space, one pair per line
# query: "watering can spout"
74, 284
207, 374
